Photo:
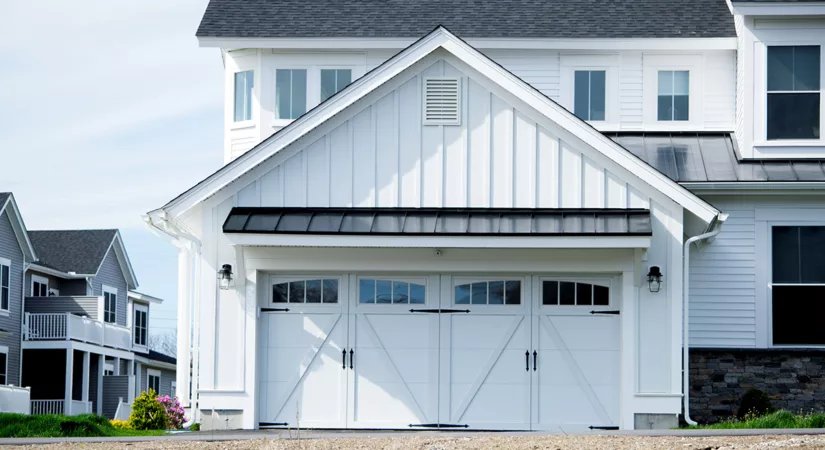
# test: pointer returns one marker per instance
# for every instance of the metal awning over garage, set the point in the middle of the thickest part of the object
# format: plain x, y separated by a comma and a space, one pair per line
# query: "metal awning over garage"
439, 221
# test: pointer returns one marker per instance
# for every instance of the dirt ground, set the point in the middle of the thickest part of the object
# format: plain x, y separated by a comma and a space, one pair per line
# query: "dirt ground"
475, 442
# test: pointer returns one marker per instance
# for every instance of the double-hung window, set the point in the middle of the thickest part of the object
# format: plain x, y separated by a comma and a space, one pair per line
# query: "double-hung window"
798, 285
5, 283
333, 80
141, 324
109, 304
674, 95
40, 286
589, 94
793, 104
153, 380
244, 82
290, 93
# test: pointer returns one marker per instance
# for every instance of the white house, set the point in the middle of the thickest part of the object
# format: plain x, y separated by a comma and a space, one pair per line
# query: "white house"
516, 226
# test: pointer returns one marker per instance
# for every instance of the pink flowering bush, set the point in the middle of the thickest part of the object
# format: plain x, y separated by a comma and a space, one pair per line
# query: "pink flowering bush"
174, 412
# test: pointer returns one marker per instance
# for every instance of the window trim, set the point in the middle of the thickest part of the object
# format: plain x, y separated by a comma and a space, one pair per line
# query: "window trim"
138, 307
153, 373
39, 279
609, 63
4, 262
104, 289
5, 350
653, 64
246, 122
307, 93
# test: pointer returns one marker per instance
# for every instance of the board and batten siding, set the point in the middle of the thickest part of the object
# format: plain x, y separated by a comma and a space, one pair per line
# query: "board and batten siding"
111, 274
10, 249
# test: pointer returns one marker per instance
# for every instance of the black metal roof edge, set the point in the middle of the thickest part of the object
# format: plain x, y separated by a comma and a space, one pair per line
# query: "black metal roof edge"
454, 234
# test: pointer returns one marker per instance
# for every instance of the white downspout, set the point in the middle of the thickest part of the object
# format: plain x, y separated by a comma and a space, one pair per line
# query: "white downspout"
716, 228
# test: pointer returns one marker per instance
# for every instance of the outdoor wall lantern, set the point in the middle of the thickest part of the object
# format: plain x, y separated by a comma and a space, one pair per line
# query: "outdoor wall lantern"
225, 277
654, 279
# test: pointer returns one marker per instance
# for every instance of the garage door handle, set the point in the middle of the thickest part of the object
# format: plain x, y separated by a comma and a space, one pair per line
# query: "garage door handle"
351, 354
344, 359
535, 355
527, 360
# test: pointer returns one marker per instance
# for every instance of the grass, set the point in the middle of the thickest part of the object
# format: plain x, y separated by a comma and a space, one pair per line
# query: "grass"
85, 425
778, 419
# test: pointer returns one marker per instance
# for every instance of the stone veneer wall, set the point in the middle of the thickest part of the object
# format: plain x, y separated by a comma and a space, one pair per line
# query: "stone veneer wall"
793, 379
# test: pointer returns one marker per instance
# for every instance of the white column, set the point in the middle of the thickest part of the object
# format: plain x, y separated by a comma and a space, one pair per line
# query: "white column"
85, 383
101, 362
67, 394
130, 369
184, 325
117, 366
137, 379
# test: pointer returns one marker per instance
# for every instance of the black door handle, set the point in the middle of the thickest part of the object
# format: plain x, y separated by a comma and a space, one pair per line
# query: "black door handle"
344, 359
535, 355
527, 360
351, 354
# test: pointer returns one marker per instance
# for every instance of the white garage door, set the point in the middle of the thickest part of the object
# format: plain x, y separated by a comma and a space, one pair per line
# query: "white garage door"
443, 351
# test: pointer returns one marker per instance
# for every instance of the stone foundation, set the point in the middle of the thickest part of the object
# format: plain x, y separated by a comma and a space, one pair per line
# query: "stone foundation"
793, 379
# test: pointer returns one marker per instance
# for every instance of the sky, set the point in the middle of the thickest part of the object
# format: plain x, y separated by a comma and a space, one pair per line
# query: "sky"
109, 109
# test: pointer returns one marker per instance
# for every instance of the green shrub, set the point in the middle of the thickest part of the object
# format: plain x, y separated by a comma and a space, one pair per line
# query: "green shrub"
85, 425
778, 419
755, 403
195, 427
147, 412
121, 424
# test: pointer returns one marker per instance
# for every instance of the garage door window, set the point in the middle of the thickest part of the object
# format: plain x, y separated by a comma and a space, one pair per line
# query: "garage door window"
574, 293
388, 291
491, 292
306, 291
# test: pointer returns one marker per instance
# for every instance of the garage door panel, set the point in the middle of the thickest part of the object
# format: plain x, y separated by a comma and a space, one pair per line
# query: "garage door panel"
585, 332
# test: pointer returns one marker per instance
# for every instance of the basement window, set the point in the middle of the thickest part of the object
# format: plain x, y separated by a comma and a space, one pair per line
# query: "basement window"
442, 101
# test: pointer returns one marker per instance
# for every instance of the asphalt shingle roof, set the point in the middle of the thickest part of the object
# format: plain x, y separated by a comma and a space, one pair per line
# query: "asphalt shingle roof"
80, 251
468, 18
158, 356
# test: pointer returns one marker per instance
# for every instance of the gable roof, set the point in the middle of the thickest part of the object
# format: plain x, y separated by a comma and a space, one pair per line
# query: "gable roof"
468, 18
439, 38
9, 205
81, 251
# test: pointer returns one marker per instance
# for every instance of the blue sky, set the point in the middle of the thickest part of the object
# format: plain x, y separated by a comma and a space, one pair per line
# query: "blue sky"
110, 109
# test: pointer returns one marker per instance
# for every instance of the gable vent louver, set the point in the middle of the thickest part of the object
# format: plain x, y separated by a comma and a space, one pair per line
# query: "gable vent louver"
442, 101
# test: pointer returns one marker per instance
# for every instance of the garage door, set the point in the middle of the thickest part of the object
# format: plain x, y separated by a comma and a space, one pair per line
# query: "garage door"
404, 352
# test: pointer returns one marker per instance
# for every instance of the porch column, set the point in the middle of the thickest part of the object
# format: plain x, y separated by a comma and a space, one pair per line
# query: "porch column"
84, 395
67, 394
184, 325
130, 371
137, 379
101, 362
117, 366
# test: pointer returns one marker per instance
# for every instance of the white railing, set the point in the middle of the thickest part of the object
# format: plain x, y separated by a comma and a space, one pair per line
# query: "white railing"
67, 326
47, 406
14, 399
79, 407
124, 410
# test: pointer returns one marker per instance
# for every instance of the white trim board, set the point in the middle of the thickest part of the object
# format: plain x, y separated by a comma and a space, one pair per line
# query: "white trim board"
440, 38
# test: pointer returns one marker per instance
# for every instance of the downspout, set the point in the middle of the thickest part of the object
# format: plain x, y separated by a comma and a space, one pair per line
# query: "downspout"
716, 228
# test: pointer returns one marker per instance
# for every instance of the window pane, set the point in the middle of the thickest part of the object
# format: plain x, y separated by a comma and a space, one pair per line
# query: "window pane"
681, 82
383, 291
597, 95
496, 293
793, 116
296, 291
417, 293
366, 291
462, 294
400, 292
328, 88
283, 89
665, 82
797, 315
785, 255
4, 276
513, 294
581, 94
806, 68
550, 293
344, 79
313, 291
330, 291
243, 95
480, 293
680, 107
584, 294
567, 293
601, 295
780, 68
665, 107
299, 93
279, 293
812, 254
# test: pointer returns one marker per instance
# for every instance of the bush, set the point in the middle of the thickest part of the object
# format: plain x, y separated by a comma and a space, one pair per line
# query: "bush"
147, 412
755, 403
778, 419
121, 424
84, 425
195, 427
174, 412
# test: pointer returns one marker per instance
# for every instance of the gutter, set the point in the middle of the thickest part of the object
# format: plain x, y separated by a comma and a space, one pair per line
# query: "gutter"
714, 228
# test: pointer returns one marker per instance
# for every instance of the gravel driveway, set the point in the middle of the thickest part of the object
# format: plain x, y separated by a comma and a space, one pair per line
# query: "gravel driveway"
475, 442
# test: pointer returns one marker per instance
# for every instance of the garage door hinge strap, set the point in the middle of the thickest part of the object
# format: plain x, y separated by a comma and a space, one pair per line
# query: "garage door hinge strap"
439, 425
614, 312
602, 428
442, 311
274, 309
272, 424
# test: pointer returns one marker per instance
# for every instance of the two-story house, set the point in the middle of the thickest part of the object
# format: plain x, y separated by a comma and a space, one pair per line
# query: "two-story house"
506, 215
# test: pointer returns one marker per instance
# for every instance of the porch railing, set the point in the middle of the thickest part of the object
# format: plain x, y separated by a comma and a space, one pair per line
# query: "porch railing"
67, 326
47, 406
14, 399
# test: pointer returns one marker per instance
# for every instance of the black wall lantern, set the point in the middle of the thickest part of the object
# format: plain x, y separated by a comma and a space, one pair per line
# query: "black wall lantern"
225, 277
654, 279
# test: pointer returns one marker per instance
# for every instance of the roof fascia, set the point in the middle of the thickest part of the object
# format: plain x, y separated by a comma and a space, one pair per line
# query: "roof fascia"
59, 273
326, 43
137, 296
155, 363
778, 8
20, 230
760, 187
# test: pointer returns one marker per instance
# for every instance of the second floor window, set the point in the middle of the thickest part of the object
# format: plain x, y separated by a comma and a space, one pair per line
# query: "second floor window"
290, 93
40, 286
589, 94
333, 80
793, 92
244, 82
674, 95
109, 306
141, 325
5, 285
